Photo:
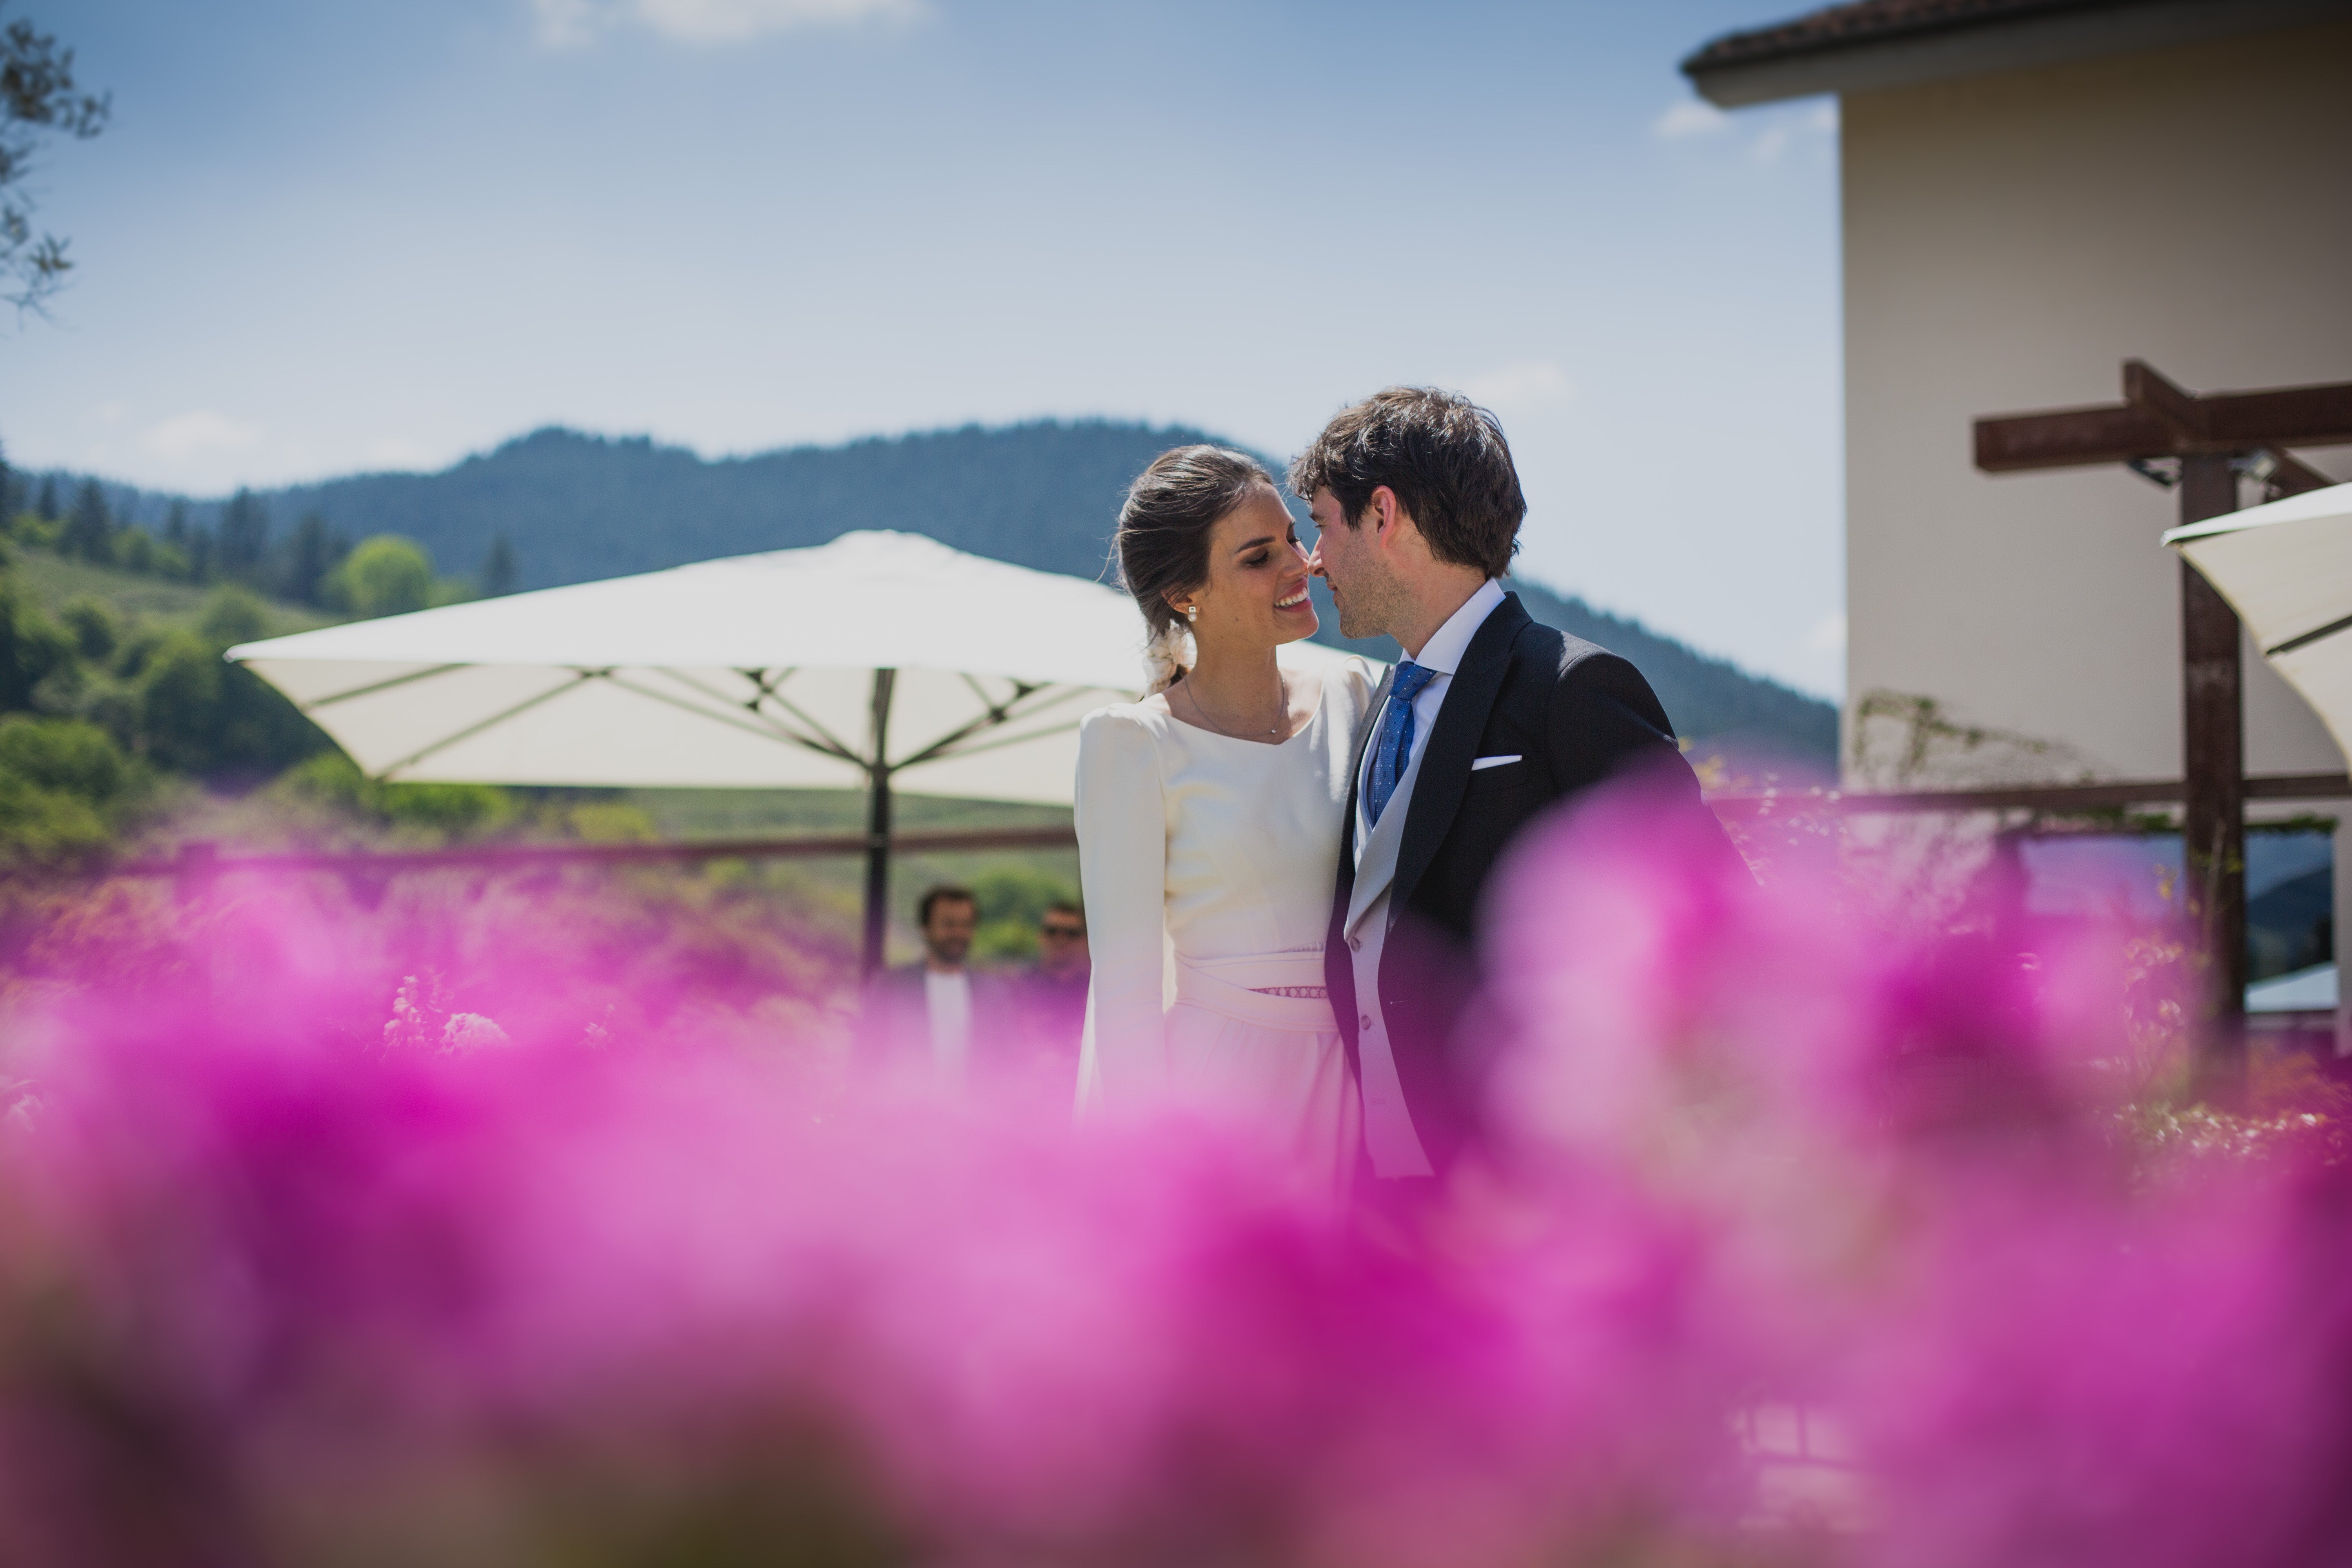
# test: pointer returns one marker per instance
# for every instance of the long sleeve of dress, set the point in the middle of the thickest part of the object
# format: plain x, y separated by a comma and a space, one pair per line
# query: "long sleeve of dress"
1122, 824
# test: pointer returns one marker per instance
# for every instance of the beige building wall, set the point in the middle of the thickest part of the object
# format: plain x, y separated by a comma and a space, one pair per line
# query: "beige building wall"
2009, 241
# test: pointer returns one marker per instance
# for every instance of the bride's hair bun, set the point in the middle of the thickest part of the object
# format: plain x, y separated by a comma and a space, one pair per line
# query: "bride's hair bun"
1163, 543
1166, 657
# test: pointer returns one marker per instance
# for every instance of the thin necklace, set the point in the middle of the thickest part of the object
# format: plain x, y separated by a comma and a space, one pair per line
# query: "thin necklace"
1280, 685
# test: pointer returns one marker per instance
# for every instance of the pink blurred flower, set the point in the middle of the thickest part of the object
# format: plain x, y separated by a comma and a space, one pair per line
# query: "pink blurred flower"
1801, 1236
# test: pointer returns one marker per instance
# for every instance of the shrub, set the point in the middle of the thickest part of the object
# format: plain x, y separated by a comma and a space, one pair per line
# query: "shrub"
1013, 899
68, 755
94, 626
65, 789
384, 576
457, 810
42, 829
135, 550
32, 648
203, 716
232, 615
608, 822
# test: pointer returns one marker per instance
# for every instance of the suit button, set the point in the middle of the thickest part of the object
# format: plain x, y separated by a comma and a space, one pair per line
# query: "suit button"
1368, 1021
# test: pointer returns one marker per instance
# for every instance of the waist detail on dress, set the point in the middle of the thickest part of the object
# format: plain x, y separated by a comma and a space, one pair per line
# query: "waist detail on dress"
1280, 990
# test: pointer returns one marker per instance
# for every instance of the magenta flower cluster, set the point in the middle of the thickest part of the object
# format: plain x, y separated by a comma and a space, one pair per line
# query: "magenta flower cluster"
1798, 1241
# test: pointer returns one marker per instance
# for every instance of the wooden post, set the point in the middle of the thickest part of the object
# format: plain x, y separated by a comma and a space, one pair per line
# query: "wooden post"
2213, 771
2205, 431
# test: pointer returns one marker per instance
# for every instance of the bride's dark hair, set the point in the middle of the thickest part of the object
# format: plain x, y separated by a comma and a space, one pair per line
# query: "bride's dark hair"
1163, 543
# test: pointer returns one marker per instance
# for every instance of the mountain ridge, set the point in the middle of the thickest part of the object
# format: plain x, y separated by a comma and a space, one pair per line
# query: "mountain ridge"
1044, 493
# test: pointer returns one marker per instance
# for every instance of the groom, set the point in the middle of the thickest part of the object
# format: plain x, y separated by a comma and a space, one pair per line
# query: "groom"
1490, 719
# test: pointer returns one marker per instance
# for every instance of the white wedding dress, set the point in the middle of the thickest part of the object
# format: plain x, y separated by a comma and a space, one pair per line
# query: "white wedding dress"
1208, 864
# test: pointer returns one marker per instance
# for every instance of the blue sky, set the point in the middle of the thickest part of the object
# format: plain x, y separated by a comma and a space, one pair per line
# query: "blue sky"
322, 235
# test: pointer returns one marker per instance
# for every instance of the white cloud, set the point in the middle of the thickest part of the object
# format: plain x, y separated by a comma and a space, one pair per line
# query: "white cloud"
1689, 117
197, 433
573, 24
398, 452
1528, 384
566, 24
1692, 118
1827, 635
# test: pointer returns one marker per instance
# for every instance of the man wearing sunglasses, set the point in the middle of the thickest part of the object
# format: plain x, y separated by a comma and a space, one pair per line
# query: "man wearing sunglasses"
1055, 993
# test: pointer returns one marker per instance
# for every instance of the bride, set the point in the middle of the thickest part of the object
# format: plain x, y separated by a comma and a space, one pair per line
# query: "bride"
1208, 820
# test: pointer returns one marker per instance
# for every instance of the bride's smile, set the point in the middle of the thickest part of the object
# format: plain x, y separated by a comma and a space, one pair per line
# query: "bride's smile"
1256, 595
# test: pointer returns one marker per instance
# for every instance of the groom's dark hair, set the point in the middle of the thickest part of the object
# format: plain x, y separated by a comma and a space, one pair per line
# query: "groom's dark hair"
1443, 455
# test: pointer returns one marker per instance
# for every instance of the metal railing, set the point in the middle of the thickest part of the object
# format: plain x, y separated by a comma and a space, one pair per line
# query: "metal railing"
198, 861
2054, 799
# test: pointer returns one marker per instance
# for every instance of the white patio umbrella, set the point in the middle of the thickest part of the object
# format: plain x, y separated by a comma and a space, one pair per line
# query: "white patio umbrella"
883, 661
2286, 569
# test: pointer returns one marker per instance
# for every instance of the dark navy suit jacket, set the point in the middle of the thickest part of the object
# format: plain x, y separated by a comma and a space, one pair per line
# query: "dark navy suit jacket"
1576, 715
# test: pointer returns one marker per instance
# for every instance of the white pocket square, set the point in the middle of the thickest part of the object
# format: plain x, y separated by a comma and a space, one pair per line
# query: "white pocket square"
1491, 762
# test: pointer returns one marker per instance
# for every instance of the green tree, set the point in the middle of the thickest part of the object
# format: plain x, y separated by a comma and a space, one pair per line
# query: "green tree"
32, 648
47, 507
446, 810
90, 532
385, 575
202, 715
70, 756
38, 98
1013, 901
499, 577
232, 615
135, 550
187, 549
42, 827
244, 541
311, 556
66, 789
95, 628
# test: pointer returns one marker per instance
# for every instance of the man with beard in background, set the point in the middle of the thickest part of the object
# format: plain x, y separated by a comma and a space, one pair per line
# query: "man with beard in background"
924, 1018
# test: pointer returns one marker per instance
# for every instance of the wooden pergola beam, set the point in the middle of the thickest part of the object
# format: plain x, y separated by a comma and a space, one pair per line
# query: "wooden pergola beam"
2216, 439
2160, 419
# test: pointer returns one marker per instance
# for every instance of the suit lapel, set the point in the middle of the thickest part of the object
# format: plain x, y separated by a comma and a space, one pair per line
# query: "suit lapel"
1453, 744
1356, 772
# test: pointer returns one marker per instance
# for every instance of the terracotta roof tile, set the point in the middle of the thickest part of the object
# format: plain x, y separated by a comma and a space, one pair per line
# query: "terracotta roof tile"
1836, 28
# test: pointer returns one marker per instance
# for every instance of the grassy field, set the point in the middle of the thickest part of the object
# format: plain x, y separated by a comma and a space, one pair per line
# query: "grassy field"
53, 581
825, 893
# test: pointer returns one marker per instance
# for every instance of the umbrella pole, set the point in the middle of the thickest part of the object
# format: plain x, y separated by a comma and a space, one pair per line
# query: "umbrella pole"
877, 829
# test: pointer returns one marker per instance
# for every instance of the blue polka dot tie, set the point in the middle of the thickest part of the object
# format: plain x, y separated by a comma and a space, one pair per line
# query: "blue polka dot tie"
1396, 733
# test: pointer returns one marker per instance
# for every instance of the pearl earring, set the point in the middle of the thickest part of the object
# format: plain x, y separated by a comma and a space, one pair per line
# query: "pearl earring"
1192, 611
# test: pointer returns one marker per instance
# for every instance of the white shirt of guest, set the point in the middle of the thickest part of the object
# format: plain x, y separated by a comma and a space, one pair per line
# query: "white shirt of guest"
1441, 656
947, 1000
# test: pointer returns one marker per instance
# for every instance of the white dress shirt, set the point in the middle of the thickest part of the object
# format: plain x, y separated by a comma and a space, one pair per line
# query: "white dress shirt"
1441, 656
947, 1000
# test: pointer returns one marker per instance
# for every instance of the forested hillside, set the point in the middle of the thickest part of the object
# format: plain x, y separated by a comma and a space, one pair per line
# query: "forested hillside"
557, 507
